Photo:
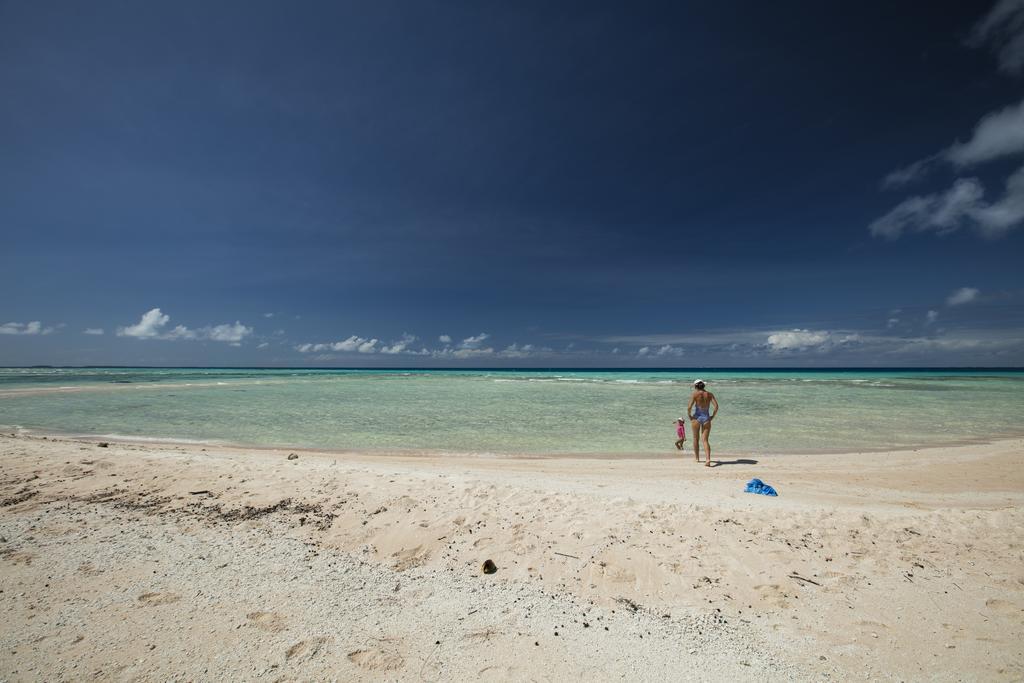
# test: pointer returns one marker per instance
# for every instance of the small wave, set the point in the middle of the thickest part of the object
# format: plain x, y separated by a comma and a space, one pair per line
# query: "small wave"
156, 439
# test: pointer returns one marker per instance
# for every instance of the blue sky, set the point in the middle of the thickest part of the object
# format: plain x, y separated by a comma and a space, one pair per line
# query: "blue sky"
524, 184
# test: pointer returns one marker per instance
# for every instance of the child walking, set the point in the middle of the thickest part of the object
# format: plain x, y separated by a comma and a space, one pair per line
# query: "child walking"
681, 433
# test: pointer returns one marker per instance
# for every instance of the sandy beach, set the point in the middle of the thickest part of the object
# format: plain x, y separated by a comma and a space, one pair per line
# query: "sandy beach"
146, 561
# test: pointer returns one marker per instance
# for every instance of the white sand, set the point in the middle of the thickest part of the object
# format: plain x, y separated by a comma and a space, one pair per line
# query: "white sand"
902, 566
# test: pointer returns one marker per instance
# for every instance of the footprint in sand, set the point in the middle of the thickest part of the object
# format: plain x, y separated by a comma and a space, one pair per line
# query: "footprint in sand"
413, 557
267, 621
772, 594
147, 599
840, 578
377, 660
304, 650
873, 627
619, 575
1001, 606
497, 673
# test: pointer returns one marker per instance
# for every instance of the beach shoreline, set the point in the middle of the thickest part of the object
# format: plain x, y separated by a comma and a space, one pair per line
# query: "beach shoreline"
669, 453
105, 549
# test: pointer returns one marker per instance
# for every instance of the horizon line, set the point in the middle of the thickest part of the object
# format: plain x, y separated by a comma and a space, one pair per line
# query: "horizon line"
533, 368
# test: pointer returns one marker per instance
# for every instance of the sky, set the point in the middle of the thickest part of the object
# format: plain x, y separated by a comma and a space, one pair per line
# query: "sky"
530, 184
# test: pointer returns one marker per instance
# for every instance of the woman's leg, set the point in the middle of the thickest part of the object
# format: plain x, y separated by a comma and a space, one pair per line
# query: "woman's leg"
695, 430
704, 433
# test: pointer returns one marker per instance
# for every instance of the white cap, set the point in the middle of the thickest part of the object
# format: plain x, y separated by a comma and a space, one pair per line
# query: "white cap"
698, 381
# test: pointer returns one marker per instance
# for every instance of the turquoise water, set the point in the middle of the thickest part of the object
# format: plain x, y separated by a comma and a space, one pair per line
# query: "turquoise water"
524, 411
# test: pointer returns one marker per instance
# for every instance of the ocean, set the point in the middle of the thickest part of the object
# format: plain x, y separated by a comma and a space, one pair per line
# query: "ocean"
517, 411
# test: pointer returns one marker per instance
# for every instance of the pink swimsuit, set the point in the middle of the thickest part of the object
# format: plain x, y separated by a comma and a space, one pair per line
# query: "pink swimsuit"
681, 431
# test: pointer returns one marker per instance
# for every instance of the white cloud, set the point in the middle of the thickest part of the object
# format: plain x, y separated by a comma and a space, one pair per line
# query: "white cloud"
148, 327
445, 339
809, 340
268, 315
473, 353
400, 346
523, 351
352, 344
908, 174
663, 350
34, 327
796, 339
1002, 29
936, 346
474, 342
892, 322
941, 213
998, 218
703, 338
963, 205
516, 351
228, 333
263, 345
93, 330
460, 352
998, 134
152, 323
990, 341
181, 332
964, 295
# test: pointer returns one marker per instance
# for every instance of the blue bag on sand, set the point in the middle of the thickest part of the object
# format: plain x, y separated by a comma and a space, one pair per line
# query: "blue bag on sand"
758, 486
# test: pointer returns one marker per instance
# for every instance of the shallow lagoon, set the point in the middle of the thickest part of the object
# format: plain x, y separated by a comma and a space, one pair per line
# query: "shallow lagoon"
520, 411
